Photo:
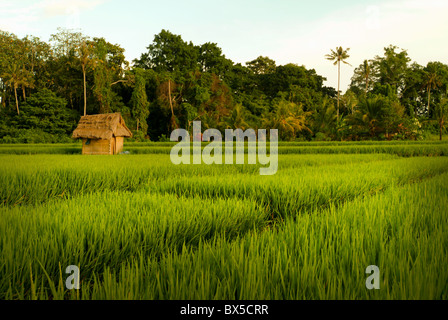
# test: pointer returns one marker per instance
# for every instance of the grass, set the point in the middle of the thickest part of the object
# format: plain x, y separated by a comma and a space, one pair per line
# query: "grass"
140, 227
320, 255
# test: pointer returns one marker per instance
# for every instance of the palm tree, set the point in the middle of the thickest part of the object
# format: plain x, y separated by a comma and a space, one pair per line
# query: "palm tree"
18, 77
367, 117
325, 116
84, 51
338, 56
432, 81
289, 119
165, 94
349, 101
237, 120
173, 117
442, 114
364, 73
14, 81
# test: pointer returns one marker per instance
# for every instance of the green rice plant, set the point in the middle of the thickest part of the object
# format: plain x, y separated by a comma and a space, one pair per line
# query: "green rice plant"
404, 150
140, 227
34, 179
320, 255
37, 178
296, 189
107, 228
300, 179
401, 148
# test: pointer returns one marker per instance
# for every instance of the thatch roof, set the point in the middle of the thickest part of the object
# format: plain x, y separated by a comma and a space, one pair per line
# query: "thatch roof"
101, 126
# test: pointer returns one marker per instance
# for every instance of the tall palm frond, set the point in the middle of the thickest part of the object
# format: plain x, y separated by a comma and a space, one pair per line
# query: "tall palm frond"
339, 55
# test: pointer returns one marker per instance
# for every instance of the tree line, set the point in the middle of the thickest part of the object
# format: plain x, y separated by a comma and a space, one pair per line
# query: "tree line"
45, 87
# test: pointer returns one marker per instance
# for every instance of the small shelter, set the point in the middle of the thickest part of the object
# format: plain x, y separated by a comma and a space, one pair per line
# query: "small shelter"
102, 133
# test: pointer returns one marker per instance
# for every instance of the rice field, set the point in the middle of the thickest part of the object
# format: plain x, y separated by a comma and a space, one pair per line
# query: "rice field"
139, 227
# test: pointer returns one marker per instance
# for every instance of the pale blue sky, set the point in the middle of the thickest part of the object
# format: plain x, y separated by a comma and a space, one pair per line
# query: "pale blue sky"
300, 32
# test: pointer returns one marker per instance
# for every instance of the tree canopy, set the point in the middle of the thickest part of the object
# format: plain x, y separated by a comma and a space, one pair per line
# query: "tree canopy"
48, 86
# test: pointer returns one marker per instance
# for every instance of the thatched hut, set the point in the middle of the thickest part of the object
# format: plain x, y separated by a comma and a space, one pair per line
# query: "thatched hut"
102, 133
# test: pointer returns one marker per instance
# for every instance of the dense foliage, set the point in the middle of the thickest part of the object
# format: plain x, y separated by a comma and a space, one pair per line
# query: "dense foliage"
46, 87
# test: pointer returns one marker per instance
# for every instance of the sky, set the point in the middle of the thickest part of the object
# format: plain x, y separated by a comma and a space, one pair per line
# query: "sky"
287, 31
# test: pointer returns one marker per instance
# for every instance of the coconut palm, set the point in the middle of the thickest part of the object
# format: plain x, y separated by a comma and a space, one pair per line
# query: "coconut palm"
165, 94
17, 77
338, 56
364, 73
432, 81
324, 119
237, 118
350, 101
84, 51
289, 119
441, 114
367, 118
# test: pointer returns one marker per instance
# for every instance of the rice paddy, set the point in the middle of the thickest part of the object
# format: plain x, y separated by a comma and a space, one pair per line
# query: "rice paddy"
139, 227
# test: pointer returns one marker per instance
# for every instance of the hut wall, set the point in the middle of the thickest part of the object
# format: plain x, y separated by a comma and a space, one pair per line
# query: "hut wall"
97, 146
118, 144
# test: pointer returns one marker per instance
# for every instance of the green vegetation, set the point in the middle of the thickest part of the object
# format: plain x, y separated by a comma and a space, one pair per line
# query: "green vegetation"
140, 227
362, 176
46, 87
401, 148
